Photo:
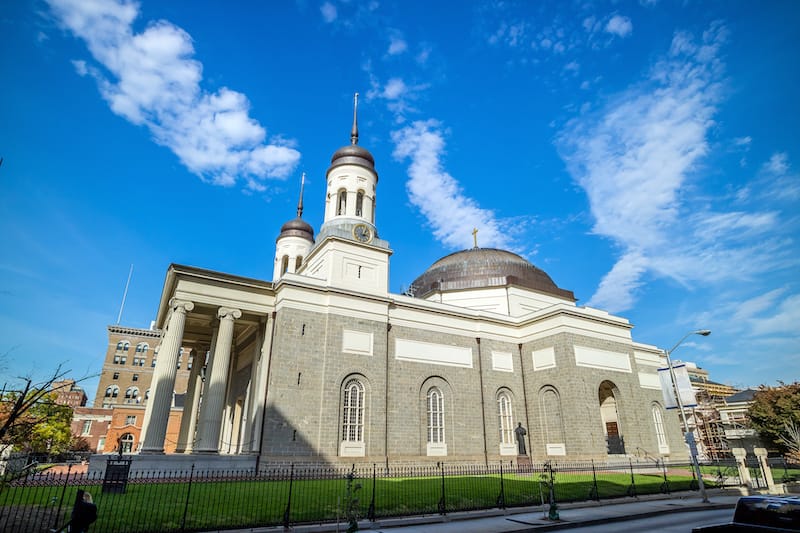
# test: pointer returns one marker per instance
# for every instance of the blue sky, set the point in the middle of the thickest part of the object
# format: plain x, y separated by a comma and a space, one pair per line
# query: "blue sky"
645, 154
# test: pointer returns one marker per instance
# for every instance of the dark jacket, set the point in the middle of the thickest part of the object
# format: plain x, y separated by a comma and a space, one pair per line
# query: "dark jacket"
83, 514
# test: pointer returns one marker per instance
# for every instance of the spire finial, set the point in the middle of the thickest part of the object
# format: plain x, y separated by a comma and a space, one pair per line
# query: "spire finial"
300, 201
354, 132
475, 236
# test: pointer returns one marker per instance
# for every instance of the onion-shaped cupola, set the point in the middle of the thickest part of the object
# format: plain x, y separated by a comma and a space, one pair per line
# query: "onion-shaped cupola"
351, 183
294, 242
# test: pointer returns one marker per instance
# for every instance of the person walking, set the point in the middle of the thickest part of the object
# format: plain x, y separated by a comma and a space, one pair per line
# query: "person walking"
84, 513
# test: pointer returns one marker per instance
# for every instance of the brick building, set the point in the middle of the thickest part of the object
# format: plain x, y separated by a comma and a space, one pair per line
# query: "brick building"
124, 390
324, 364
69, 393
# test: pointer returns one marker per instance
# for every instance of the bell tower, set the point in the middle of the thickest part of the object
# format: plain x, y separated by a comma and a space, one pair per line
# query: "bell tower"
348, 251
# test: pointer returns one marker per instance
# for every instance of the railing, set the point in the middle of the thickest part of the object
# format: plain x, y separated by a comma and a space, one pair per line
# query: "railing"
197, 500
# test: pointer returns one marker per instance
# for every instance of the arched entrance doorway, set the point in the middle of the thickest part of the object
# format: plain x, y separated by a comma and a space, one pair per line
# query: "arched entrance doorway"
126, 443
607, 396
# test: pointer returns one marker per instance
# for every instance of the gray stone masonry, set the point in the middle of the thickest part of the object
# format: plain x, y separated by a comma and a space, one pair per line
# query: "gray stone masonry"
308, 370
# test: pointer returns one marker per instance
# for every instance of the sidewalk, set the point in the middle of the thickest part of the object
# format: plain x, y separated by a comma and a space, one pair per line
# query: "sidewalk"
523, 519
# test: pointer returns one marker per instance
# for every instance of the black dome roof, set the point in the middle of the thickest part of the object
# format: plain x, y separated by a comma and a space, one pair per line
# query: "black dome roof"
297, 228
485, 267
352, 154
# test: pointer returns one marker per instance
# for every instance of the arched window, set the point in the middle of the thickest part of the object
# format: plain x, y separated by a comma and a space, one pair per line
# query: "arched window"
505, 420
359, 203
126, 442
341, 202
131, 393
435, 403
661, 436
353, 412
552, 422
298, 262
609, 414
147, 395
142, 348
284, 264
112, 392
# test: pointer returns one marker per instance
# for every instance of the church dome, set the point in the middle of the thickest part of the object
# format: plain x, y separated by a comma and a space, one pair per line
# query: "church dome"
297, 228
478, 268
353, 154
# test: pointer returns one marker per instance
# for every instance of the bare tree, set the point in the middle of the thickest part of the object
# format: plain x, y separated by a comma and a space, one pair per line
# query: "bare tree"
16, 404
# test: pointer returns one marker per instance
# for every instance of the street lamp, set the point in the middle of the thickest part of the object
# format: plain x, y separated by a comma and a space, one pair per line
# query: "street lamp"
689, 435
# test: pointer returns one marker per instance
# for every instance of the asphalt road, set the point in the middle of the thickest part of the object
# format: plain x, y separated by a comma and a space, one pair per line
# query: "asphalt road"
667, 523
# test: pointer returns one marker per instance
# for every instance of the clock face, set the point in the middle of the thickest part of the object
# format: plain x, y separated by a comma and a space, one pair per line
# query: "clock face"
362, 233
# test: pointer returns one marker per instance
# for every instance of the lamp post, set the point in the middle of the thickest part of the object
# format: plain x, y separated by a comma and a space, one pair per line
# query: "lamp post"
689, 434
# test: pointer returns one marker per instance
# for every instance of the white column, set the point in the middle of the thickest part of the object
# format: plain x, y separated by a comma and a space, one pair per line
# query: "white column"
259, 389
350, 211
216, 376
366, 209
163, 385
189, 417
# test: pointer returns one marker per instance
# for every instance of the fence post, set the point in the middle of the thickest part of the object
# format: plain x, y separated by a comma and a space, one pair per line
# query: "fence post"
501, 499
442, 500
289, 500
594, 494
632, 488
61, 501
188, 491
665, 486
371, 510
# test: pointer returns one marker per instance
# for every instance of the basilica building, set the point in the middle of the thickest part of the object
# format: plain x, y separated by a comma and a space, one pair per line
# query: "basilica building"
322, 364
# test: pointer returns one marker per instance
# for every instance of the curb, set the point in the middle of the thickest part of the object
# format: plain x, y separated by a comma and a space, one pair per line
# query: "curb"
623, 518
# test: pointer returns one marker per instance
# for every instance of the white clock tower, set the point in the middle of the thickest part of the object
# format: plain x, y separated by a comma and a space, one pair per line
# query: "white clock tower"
348, 252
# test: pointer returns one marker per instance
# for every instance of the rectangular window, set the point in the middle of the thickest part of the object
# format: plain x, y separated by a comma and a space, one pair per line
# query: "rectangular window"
135, 377
87, 427
115, 376
130, 420
116, 359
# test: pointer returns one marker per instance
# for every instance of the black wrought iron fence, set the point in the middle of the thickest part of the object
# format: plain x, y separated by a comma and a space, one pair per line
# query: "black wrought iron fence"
198, 500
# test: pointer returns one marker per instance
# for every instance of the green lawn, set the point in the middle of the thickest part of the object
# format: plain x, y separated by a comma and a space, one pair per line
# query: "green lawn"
243, 503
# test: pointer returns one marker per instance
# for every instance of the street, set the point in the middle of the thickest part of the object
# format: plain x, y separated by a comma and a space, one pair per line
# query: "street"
667, 523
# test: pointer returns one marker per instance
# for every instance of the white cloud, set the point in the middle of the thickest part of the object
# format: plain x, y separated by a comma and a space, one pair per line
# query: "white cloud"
782, 321
397, 45
635, 157
80, 67
398, 94
154, 81
329, 12
438, 195
743, 141
619, 25
778, 164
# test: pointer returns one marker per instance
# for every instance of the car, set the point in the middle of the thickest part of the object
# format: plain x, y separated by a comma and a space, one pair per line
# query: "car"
761, 513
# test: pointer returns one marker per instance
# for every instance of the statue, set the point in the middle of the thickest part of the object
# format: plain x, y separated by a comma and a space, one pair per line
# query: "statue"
520, 432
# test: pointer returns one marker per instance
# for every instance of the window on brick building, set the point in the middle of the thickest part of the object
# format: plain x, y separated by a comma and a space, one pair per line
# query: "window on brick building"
130, 420
115, 376
135, 377
435, 404
353, 412
505, 417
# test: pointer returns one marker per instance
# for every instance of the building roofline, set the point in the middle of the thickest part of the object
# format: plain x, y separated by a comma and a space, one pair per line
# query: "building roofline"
125, 330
